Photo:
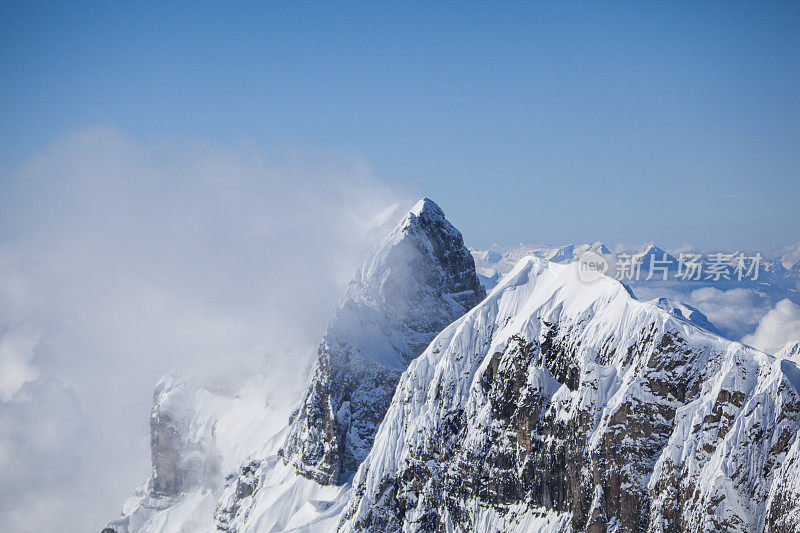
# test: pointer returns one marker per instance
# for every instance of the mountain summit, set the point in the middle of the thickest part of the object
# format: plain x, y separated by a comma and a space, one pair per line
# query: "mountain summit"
415, 283
418, 281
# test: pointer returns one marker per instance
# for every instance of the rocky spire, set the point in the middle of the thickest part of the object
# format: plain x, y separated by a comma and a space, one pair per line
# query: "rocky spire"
420, 279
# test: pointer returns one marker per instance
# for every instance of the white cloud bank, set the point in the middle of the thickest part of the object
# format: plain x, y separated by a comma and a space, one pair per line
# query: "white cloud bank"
16, 352
776, 328
121, 261
736, 312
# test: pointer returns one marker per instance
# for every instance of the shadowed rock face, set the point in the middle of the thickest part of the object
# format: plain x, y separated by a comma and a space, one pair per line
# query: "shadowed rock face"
183, 458
558, 406
418, 281
167, 452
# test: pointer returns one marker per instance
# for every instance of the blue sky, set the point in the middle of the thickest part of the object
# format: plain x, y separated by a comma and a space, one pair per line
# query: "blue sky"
559, 122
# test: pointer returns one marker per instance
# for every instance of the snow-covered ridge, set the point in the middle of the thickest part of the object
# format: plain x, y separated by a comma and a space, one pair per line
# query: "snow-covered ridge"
734, 306
561, 405
199, 430
791, 350
686, 312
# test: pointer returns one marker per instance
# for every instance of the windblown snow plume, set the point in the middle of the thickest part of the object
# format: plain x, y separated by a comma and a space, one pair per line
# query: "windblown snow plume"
419, 281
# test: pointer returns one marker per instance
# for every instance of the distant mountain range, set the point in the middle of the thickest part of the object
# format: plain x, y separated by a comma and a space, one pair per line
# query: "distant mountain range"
781, 272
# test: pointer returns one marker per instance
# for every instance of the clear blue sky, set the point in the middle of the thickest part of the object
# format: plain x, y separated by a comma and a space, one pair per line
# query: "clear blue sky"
626, 122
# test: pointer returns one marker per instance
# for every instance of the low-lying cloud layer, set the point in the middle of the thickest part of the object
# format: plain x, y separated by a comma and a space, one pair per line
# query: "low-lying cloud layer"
735, 312
778, 327
121, 261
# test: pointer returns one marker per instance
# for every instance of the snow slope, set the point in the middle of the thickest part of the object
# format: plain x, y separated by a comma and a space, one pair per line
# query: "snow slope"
687, 312
559, 405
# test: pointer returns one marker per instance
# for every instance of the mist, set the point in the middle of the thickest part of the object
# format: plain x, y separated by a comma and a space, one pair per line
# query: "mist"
121, 261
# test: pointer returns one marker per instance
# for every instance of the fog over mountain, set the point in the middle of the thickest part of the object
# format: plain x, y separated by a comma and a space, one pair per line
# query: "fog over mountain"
121, 262
213, 272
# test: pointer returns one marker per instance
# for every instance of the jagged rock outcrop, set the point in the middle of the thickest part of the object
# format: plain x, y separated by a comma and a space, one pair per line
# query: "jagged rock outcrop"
419, 280
200, 430
556, 405
182, 454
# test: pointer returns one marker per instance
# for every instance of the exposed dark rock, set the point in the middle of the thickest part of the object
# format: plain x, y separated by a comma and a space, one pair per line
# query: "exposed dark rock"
419, 281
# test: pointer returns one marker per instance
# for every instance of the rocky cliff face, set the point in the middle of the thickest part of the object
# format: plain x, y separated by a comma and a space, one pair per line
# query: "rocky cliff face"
556, 405
419, 280
182, 454
200, 431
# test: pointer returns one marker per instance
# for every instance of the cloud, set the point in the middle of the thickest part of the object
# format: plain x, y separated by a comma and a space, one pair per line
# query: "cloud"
43, 435
776, 328
684, 248
736, 312
121, 261
16, 352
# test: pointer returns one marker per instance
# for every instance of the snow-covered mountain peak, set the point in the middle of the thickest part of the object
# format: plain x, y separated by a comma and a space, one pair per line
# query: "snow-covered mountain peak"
556, 405
561, 254
418, 280
560, 285
651, 250
415, 283
600, 248
427, 208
